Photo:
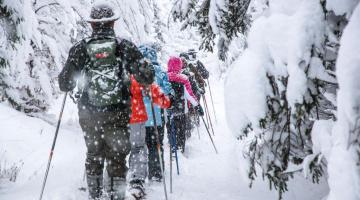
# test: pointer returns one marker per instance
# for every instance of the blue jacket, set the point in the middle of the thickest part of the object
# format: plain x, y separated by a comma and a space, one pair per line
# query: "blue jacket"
161, 79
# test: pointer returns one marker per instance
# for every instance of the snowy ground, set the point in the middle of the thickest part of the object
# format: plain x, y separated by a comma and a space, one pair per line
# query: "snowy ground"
203, 174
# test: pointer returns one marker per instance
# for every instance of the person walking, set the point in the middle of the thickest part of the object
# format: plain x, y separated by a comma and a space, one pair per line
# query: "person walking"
197, 74
183, 93
138, 160
161, 79
105, 64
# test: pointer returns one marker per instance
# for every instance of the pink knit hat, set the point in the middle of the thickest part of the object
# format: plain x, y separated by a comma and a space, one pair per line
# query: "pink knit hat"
175, 64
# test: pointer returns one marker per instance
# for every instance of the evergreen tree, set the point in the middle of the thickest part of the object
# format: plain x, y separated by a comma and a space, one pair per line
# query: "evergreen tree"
344, 159
38, 35
233, 20
282, 144
182, 9
10, 37
280, 141
43, 34
212, 19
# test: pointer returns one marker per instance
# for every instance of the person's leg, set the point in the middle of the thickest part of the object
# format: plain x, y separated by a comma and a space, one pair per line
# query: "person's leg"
177, 124
138, 159
168, 127
161, 138
153, 156
116, 136
188, 126
116, 169
180, 124
94, 164
138, 153
151, 145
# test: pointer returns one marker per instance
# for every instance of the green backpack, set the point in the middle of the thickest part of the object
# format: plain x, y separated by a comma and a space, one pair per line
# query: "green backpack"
103, 85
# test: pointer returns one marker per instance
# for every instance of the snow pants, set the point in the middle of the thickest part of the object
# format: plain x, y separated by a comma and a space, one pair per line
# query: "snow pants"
107, 139
153, 156
138, 155
179, 128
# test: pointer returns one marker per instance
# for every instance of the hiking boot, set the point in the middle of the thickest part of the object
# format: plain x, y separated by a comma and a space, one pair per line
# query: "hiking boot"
137, 189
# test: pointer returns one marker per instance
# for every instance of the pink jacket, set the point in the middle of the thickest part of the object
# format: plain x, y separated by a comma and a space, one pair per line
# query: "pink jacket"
174, 72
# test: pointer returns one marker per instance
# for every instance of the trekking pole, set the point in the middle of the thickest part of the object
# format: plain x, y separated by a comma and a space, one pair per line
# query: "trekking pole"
198, 131
212, 100
170, 153
206, 111
53, 146
197, 125
158, 146
207, 108
207, 129
170, 164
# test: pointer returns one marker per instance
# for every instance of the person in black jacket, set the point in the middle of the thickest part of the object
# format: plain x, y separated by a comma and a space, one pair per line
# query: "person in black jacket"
197, 73
196, 70
103, 64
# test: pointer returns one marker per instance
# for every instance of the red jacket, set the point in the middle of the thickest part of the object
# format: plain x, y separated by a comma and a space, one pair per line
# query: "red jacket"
138, 109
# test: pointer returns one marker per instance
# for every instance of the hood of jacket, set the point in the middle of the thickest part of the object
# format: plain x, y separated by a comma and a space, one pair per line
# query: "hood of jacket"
175, 65
149, 53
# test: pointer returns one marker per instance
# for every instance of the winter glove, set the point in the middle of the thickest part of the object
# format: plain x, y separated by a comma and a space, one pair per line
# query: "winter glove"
199, 110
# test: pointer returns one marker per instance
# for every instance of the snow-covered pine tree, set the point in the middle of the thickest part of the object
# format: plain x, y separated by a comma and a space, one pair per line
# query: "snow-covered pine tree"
343, 155
37, 35
159, 25
182, 9
8, 39
233, 20
222, 18
294, 58
202, 22
18, 76
45, 31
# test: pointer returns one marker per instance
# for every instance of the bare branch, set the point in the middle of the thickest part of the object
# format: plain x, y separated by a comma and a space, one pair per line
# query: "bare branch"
50, 4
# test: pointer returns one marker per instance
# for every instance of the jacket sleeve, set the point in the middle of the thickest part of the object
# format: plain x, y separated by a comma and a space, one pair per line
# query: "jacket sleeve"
189, 94
135, 63
190, 98
159, 97
73, 66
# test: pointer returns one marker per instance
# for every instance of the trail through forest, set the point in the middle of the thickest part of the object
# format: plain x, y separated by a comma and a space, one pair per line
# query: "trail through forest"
203, 173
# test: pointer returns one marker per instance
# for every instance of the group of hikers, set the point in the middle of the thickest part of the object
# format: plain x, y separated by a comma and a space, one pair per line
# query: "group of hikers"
127, 101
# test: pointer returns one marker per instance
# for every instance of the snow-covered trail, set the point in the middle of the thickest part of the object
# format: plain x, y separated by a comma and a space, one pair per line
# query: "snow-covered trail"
28, 140
203, 174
